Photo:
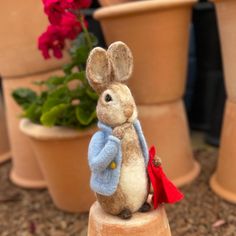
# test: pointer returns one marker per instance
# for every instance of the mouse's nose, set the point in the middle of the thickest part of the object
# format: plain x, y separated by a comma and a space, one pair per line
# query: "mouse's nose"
128, 111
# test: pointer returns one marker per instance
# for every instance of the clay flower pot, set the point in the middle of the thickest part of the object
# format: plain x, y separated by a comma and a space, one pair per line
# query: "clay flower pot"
165, 126
157, 33
20, 26
153, 223
226, 12
62, 155
25, 171
223, 180
4, 144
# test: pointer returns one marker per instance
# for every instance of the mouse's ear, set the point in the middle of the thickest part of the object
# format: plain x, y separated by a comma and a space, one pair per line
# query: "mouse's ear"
98, 69
122, 61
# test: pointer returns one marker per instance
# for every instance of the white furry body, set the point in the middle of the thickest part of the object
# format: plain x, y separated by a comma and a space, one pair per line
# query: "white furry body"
133, 183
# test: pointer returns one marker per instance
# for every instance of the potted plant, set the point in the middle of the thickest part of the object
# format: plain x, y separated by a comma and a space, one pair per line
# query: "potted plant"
157, 32
59, 119
4, 144
222, 181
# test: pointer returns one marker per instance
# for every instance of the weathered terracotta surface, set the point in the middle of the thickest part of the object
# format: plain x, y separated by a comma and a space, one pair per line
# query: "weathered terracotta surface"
223, 182
20, 27
165, 126
62, 155
4, 144
105, 3
25, 171
157, 33
153, 223
226, 12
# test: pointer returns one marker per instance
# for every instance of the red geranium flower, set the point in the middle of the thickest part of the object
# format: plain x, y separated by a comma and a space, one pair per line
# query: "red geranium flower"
70, 26
77, 4
52, 40
65, 25
54, 10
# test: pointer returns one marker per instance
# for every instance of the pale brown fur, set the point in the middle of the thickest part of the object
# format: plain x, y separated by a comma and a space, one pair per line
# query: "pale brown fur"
106, 71
123, 97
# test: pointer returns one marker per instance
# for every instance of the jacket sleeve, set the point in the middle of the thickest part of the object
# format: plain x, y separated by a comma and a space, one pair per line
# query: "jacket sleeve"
142, 140
101, 152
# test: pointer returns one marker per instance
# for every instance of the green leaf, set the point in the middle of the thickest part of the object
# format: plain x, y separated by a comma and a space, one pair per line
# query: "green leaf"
24, 97
78, 93
56, 97
84, 116
33, 112
54, 81
80, 55
92, 94
67, 68
93, 39
49, 118
79, 75
81, 41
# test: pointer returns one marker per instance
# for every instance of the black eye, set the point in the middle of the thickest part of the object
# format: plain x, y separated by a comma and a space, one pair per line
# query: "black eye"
108, 98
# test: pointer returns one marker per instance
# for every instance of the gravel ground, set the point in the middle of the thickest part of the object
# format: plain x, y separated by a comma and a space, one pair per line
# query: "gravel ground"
201, 213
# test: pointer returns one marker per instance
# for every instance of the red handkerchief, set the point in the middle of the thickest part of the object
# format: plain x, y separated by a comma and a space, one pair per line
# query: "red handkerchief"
164, 189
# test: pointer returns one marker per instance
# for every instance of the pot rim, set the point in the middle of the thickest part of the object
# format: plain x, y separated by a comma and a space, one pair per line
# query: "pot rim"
138, 7
220, 0
56, 132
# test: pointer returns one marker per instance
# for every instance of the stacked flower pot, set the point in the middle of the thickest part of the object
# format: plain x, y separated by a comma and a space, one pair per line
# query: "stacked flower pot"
223, 180
42, 157
20, 65
157, 33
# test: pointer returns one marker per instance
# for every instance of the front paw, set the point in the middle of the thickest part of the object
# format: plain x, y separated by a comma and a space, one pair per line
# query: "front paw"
119, 131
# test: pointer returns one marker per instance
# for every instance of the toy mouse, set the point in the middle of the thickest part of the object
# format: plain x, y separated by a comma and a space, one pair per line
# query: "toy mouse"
118, 153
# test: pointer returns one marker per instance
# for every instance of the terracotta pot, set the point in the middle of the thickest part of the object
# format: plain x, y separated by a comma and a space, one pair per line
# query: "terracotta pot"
112, 2
153, 223
62, 155
223, 181
226, 12
25, 171
4, 144
20, 26
165, 126
157, 32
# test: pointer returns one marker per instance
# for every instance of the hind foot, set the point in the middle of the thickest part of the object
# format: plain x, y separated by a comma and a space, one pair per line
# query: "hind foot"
125, 214
145, 207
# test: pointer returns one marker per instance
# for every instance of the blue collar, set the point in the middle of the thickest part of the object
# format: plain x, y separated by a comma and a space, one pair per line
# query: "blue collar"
104, 127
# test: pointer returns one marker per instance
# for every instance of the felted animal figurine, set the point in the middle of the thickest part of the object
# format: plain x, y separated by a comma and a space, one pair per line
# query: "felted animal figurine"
118, 153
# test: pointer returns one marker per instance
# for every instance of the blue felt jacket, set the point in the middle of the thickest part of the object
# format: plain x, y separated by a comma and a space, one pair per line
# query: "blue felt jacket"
103, 149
